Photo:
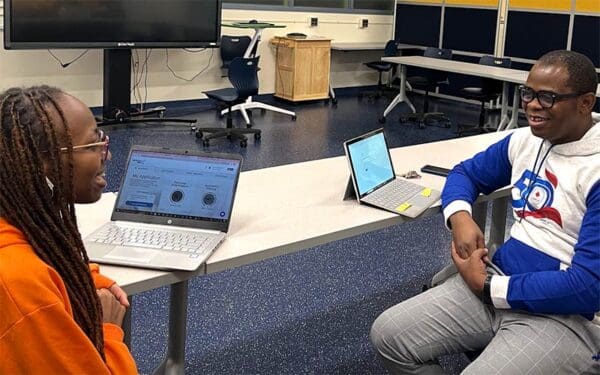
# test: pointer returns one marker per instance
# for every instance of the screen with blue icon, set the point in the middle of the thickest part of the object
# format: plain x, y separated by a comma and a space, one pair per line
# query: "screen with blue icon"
370, 162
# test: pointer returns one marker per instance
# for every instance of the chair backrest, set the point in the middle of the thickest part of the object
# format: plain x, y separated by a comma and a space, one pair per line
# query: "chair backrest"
492, 86
243, 76
391, 48
438, 53
232, 47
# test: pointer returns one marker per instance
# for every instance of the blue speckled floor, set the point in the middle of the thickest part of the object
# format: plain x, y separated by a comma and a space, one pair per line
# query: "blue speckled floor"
309, 312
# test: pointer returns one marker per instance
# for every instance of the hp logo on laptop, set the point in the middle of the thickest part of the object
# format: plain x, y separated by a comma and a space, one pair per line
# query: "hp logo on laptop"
169, 221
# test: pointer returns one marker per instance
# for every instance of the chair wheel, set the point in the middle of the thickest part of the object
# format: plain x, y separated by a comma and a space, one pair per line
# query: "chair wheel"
199, 134
334, 101
402, 120
249, 125
192, 128
294, 118
421, 125
257, 136
382, 120
263, 111
243, 143
205, 143
447, 125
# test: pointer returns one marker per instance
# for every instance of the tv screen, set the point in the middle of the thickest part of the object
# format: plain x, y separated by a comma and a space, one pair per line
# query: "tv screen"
34, 24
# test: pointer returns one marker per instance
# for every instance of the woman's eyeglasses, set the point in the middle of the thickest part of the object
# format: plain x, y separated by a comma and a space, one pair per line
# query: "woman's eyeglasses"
103, 142
545, 98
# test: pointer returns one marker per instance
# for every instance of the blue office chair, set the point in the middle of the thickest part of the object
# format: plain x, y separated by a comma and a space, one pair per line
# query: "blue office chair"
391, 49
232, 47
428, 80
490, 89
243, 77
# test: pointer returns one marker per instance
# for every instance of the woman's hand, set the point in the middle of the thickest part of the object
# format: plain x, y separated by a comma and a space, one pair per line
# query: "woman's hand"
119, 294
112, 310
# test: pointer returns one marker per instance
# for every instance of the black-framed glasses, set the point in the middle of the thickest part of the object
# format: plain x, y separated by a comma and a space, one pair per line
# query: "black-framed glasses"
545, 98
103, 142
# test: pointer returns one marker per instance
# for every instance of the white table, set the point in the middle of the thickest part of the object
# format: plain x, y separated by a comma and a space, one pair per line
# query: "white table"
368, 46
506, 75
282, 210
365, 46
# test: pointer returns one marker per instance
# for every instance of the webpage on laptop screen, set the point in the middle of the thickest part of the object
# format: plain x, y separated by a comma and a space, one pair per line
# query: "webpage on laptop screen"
371, 163
184, 186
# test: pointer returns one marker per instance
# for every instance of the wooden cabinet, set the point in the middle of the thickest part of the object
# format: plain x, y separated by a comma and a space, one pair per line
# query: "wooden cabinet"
302, 68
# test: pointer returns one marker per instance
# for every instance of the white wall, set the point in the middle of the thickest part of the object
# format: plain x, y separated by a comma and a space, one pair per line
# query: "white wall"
84, 77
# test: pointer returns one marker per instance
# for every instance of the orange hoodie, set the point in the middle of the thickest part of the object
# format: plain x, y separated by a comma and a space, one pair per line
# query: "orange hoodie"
38, 334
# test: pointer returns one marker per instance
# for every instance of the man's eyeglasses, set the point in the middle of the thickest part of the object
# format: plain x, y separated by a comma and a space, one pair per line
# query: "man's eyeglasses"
545, 98
103, 142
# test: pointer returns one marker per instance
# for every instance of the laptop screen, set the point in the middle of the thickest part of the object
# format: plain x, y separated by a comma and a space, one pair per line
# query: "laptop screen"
370, 162
180, 186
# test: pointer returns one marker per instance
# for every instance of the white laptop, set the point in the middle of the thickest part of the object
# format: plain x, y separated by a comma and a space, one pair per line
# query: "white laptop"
374, 180
172, 211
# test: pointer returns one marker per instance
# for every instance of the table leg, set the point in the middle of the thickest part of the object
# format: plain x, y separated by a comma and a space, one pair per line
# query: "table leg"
174, 363
504, 107
401, 97
253, 42
514, 118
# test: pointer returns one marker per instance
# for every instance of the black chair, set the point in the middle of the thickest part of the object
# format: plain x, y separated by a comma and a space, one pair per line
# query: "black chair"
243, 77
490, 89
232, 47
428, 80
391, 49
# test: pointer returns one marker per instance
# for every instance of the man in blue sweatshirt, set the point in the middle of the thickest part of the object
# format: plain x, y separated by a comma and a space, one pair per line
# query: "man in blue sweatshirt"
542, 315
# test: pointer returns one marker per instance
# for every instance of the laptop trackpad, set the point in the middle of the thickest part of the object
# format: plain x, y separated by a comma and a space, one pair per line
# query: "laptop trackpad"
132, 254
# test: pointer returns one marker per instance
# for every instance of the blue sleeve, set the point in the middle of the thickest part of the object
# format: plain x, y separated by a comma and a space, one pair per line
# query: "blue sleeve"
487, 171
573, 291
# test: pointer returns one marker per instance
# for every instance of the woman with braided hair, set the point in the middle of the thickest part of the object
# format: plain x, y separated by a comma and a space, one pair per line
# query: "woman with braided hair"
58, 314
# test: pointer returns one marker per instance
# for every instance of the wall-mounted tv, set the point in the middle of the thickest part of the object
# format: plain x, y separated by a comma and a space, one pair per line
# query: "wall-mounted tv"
41, 24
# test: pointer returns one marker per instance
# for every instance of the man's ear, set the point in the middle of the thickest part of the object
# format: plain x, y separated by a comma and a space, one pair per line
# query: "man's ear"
587, 102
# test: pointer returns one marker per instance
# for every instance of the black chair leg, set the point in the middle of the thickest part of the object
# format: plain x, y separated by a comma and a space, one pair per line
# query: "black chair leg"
229, 131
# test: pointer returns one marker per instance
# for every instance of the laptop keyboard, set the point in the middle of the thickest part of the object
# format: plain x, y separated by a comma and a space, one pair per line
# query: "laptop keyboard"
393, 194
155, 239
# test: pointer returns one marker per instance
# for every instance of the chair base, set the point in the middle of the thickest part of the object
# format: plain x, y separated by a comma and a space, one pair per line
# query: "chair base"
230, 133
249, 104
427, 119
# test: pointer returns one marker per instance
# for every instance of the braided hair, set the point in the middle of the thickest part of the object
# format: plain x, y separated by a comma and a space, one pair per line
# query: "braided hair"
38, 197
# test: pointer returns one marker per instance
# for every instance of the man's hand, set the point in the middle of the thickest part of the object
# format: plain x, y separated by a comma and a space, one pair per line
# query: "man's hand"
119, 294
471, 269
466, 234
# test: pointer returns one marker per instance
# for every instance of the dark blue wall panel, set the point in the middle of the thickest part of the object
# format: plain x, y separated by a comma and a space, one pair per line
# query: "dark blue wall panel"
418, 24
470, 29
529, 35
586, 37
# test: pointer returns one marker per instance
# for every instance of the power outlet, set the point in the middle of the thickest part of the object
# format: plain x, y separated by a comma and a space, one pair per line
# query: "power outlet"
314, 21
363, 23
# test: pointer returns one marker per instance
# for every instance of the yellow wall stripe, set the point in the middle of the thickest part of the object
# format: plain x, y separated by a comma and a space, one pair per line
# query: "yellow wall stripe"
493, 3
588, 6
542, 4
423, 1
